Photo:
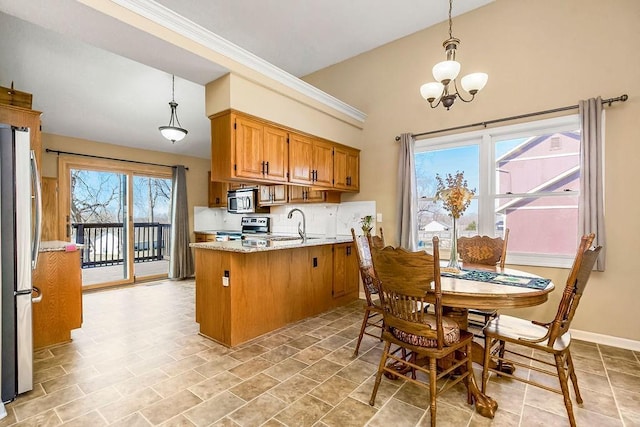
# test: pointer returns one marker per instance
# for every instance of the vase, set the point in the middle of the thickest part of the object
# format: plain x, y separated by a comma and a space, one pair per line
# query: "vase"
453, 257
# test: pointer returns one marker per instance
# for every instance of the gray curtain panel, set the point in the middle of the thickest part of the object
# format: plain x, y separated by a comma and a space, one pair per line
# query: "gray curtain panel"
181, 262
408, 203
591, 206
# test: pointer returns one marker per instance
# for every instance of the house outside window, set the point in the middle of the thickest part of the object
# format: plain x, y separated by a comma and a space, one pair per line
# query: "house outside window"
526, 178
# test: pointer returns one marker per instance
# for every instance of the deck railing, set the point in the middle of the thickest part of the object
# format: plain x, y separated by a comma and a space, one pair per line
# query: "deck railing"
105, 243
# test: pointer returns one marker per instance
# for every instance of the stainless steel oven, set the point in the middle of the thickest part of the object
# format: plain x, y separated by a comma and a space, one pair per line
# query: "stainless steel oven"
244, 200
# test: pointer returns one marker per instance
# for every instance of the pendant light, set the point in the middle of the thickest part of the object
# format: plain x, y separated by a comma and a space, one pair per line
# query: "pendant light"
172, 132
445, 88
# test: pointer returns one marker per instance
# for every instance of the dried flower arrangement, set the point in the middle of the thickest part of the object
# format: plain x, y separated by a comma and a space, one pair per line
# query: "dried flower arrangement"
454, 192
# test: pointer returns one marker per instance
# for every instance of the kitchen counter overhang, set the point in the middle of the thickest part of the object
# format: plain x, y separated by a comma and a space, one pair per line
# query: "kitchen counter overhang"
259, 245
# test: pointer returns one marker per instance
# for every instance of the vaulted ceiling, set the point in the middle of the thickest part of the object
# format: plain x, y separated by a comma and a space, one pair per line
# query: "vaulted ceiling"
97, 78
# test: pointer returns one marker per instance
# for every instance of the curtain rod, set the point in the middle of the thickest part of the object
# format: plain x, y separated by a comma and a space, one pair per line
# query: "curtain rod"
621, 98
109, 158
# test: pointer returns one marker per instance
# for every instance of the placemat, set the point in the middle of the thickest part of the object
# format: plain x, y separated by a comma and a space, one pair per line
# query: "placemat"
500, 279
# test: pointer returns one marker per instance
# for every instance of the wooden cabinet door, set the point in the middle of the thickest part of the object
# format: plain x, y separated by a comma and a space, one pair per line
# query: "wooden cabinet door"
264, 195
276, 154
345, 269
59, 278
353, 170
322, 164
298, 194
279, 194
340, 168
272, 195
346, 169
300, 158
249, 148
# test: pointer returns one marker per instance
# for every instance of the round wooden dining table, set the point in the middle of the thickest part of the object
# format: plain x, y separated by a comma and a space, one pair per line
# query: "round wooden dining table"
463, 293
460, 294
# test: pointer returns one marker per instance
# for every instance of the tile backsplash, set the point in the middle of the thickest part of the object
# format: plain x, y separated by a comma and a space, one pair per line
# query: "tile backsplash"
324, 219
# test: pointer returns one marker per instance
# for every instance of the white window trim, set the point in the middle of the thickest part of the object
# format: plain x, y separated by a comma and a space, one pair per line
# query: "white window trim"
486, 140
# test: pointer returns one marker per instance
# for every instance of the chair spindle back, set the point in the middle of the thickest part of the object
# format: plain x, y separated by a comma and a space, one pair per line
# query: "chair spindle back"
405, 280
576, 283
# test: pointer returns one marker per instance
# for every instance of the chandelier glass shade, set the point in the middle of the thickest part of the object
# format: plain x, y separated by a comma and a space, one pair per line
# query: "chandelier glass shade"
172, 132
445, 89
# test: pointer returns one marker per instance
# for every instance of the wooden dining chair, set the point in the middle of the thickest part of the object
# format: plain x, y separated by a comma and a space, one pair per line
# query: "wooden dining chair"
406, 279
552, 338
483, 250
378, 240
372, 308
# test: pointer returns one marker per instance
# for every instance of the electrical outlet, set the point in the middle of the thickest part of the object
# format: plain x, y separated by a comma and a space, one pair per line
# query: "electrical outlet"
225, 278
378, 217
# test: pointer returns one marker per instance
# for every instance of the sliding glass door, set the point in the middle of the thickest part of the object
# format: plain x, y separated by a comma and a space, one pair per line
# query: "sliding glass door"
151, 225
120, 214
98, 221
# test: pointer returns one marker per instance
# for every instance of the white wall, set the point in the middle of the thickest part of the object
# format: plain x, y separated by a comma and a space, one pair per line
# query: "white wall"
324, 219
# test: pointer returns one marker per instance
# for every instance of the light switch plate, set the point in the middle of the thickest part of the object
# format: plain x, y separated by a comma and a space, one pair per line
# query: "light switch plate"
225, 281
378, 217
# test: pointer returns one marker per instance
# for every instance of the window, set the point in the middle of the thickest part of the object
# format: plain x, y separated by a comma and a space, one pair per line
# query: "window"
526, 178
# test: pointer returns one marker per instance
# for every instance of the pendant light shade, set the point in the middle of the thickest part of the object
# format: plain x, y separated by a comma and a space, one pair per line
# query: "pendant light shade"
172, 132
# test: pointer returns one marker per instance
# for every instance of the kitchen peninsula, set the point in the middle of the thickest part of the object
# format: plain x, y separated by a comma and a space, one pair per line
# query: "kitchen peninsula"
248, 288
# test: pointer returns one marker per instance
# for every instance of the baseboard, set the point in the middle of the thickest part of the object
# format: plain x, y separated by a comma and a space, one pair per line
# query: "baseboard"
606, 340
593, 337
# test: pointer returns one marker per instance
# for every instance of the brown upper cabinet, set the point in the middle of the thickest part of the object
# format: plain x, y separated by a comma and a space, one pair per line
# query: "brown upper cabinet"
310, 161
346, 169
247, 148
272, 195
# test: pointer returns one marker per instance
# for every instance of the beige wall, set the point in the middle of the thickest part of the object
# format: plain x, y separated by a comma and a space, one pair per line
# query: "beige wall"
235, 92
197, 184
539, 55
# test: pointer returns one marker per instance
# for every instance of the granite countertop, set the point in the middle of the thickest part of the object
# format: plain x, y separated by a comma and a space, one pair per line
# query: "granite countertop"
248, 246
58, 245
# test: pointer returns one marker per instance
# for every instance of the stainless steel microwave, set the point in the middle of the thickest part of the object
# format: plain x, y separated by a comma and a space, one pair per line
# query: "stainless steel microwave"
244, 200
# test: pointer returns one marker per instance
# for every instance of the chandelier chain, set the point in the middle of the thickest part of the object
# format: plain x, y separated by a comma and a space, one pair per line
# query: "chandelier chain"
450, 23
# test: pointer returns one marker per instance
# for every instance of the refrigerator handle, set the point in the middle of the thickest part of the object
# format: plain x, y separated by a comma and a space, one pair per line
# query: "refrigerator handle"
38, 296
37, 189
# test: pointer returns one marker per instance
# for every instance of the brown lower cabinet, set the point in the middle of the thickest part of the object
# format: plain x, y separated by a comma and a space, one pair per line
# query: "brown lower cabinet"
59, 278
267, 289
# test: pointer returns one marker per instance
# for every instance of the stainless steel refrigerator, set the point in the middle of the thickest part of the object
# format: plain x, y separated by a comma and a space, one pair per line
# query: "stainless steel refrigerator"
19, 241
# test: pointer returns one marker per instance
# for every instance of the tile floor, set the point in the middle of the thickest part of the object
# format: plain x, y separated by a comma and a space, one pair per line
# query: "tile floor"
138, 360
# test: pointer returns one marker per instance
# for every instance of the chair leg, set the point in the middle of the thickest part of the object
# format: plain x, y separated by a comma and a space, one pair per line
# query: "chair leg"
562, 375
485, 363
362, 328
470, 376
500, 354
433, 390
574, 378
383, 361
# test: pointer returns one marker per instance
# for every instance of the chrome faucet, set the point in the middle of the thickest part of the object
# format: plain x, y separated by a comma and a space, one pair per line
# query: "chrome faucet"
301, 231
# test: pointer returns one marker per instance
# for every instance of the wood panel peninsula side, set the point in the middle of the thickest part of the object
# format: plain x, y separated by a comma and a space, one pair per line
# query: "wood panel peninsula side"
244, 291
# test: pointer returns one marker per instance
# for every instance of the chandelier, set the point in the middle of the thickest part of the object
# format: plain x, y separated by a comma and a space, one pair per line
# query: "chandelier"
445, 88
172, 132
